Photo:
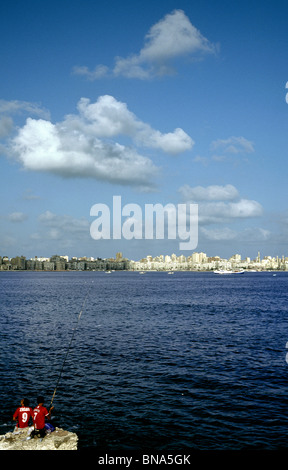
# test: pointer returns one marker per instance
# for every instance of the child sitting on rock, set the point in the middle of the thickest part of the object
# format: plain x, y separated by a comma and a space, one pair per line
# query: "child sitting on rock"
40, 414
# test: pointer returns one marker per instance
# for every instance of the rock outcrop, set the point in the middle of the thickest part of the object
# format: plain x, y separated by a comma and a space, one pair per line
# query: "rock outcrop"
56, 440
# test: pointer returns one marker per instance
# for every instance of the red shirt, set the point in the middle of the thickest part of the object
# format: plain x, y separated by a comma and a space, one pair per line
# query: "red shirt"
39, 414
23, 413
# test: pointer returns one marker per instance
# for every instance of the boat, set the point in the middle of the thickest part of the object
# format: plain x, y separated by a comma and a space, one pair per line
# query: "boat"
170, 272
225, 271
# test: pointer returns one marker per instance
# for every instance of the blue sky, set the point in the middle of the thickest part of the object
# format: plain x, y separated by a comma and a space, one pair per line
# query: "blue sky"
158, 102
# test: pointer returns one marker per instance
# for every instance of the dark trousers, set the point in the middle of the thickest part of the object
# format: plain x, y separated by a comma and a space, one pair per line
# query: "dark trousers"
38, 433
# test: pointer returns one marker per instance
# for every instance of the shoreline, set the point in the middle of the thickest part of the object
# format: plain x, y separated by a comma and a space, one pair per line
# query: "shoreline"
139, 271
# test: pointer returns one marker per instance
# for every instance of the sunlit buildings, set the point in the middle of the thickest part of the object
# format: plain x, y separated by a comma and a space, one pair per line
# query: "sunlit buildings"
172, 262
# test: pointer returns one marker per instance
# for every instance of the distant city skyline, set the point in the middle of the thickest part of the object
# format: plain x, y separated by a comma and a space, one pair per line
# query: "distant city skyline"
196, 255
171, 263
154, 102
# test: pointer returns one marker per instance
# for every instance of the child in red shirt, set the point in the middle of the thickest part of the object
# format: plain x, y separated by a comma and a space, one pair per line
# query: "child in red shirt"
40, 413
23, 414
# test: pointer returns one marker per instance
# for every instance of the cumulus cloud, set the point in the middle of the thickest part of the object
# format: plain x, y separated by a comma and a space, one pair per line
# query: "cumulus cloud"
14, 108
172, 37
108, 117
220, 203
172, 142
43, 146
81, 145
225, 216
242, 209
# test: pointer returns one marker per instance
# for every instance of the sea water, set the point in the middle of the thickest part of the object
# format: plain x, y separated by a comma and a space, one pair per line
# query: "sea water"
158, 362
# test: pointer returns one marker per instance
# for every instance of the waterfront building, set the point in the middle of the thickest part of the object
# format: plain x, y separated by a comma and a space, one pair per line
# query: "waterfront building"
48, 266
30, 265
38, 265
18, 263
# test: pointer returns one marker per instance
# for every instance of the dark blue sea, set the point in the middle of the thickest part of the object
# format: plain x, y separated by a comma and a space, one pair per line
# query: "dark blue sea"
169, 363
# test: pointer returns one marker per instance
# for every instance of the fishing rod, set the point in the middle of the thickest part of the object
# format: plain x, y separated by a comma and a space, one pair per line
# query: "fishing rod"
67, 352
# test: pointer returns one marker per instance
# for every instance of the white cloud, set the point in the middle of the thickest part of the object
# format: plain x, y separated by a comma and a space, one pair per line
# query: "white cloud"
220, 211
43, 146
16, 107
108, 117
77, 146
220, 203
172, 37
172, 142
210, 193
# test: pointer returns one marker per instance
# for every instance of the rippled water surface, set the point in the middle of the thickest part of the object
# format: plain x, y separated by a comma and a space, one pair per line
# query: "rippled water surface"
158, 362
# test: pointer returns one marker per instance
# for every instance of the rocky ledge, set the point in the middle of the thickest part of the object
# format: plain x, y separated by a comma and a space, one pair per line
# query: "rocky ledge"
56, 440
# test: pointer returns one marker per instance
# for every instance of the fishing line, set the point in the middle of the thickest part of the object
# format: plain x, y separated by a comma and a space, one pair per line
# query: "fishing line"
67, 352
